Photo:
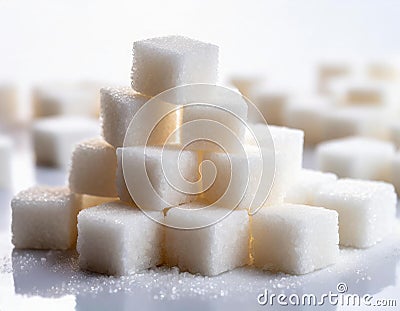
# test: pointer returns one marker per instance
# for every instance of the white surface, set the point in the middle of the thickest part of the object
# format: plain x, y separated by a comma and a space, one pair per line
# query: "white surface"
43, 279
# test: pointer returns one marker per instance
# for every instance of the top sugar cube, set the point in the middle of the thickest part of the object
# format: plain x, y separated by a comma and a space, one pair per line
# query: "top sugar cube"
166, 62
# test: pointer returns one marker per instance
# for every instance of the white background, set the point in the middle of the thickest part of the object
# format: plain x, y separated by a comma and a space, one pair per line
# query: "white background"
77, 40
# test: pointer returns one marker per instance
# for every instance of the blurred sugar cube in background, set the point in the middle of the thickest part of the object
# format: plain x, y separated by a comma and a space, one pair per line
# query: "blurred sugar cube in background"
52, 99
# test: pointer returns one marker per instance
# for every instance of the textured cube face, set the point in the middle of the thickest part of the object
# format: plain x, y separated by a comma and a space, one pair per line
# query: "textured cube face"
242, 181
54, 139
44, 218
288, 146
167, 171
162, 63
306, 186
5, 162
93, 169
356, 157
366, 209
118, 106
295, 239
211, 250
130, 240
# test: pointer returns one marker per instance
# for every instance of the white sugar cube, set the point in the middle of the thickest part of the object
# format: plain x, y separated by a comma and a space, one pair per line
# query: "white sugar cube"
298, 115
245, 83
295, 239
367, 209
352, 121
44, 218
117, 239
5, 162
216, 114
242, 180
217, 247
383, 70
118, 106
166, 62
271, 102
356, 157
365, 92
288, 159
66, 99
288, 146
306, 186
330, 71
54, 138
160, 177
8, 104
93, 169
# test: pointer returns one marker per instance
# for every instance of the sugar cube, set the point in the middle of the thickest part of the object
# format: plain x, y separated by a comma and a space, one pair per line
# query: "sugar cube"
213, 113
5, 162
166, 62
351, 121
365, 92
8, 104
93, 169
383, 70
329, 71
306, 185
288, 159
117, 239
44, 218
367, 209
299, 113
159, 177
245, 83
271, 102
218, 245
66, 99
356, 157
54, 138
288, 146
118, 106
242, 180
295, 239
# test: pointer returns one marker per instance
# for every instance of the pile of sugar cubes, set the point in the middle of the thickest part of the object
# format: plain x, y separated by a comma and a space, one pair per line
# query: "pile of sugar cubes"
307, 215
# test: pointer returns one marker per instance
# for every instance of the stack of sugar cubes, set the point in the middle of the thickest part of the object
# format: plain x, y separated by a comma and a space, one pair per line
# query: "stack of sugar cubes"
298, 229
